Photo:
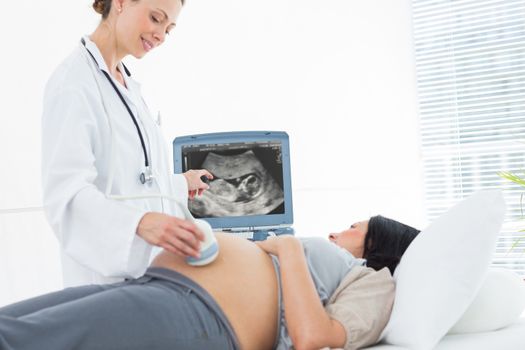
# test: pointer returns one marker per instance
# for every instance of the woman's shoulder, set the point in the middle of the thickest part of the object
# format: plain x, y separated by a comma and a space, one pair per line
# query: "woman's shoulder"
72, 73
368, 294
368, 277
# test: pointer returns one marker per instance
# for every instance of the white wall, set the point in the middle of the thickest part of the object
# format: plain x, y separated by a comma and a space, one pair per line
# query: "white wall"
337, 75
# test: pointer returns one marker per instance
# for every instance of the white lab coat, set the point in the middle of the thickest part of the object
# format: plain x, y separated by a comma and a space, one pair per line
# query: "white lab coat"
97, 234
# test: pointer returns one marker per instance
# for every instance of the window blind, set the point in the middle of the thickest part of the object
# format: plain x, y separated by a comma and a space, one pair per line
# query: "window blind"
470, 70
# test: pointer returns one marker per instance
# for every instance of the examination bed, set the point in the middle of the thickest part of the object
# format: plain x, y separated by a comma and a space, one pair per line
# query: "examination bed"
511, 337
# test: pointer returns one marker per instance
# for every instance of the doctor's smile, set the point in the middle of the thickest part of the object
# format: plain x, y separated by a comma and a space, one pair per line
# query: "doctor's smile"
147, 45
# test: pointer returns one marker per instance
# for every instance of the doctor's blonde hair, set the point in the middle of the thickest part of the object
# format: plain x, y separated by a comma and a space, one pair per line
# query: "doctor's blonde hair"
104, 6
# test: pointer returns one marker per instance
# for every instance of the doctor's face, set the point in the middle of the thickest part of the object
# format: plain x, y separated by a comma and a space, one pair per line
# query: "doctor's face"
143, 25
352, 239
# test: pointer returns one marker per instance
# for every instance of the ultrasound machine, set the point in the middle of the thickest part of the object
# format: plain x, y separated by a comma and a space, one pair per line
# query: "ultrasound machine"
250, 194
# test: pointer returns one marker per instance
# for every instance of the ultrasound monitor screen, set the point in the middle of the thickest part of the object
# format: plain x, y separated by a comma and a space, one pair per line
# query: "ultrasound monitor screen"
247, 178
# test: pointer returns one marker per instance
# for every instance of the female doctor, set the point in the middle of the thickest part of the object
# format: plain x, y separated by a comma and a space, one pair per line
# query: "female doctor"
108, 191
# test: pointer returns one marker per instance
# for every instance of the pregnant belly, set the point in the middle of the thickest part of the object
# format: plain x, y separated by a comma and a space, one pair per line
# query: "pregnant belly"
243, 282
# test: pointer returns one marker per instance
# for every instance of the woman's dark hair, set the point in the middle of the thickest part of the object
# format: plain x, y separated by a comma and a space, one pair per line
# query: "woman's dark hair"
386, 241
104, 6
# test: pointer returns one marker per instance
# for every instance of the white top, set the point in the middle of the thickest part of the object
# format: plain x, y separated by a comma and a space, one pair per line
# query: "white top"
89, 157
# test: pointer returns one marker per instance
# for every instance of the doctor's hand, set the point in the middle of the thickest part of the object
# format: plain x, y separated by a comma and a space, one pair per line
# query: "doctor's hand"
181, 237
195, 184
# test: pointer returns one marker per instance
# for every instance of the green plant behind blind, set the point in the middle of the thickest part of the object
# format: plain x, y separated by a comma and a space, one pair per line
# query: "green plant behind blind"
521, 182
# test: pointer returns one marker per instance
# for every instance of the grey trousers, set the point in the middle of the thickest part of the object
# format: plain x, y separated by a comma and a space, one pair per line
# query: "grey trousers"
161, 310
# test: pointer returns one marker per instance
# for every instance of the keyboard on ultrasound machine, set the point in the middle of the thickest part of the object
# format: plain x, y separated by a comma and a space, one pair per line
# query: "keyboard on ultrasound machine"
260, 234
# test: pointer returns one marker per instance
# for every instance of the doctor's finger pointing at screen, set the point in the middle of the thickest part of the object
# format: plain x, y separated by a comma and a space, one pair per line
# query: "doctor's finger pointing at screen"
109, 193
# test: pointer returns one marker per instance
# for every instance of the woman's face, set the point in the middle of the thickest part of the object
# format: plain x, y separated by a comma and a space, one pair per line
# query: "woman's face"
352, 239
143, 25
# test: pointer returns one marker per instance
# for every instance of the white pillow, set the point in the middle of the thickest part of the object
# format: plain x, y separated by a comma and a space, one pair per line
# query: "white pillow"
442, 270
499, 303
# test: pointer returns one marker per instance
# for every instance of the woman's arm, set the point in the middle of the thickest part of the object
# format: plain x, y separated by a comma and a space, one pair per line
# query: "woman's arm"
309, 325
96, 232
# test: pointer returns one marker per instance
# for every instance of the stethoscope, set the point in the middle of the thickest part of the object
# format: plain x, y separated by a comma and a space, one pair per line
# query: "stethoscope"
147, 175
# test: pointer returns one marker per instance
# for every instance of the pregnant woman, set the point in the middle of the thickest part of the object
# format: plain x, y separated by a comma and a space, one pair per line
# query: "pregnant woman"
306, 293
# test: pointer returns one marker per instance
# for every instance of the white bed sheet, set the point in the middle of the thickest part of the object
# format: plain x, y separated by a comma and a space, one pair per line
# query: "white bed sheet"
508, 338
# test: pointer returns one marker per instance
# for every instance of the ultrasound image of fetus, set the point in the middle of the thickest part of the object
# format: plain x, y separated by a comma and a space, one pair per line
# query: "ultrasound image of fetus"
241, 186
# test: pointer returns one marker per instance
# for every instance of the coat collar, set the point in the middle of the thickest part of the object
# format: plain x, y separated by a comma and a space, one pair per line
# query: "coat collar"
131, 84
